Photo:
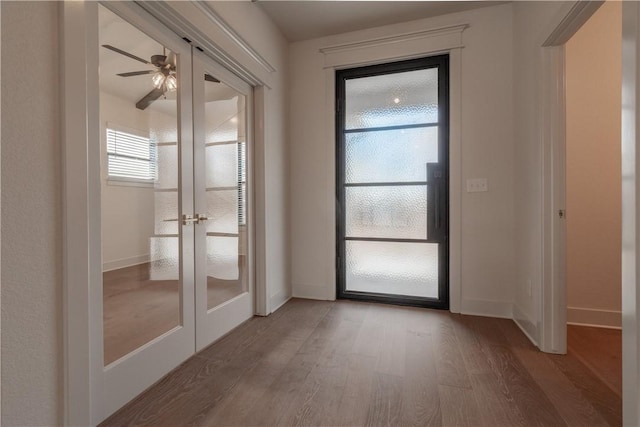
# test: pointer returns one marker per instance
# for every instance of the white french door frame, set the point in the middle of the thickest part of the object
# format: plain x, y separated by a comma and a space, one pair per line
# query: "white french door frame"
83, 370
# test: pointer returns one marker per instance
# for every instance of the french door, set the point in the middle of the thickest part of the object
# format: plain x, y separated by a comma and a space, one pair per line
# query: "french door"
392, 125
175, 196
224, 294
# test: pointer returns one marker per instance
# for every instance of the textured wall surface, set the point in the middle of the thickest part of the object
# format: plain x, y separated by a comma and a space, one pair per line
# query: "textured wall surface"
31, 216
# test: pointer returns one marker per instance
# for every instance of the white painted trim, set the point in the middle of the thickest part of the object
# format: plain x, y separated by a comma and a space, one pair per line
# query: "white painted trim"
397, 38
262, 302
279, 299
579, 13
387, 49
207, 30
82, 350
330, 178
394, 47
590, 325
527, 328
476, 307
314, 292
455, 180
1, 217
552, 333
594, 317
233, 35
125, 262
630, 214
552, 308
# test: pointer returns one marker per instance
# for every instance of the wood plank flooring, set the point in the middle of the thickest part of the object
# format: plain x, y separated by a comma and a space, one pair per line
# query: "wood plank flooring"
605, 358
321, 363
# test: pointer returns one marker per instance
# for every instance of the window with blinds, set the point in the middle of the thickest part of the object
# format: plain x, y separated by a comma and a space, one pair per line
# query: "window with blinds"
242, 183
131, 157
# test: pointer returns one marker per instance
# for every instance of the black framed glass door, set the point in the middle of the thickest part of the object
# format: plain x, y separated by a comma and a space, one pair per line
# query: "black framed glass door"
392, 178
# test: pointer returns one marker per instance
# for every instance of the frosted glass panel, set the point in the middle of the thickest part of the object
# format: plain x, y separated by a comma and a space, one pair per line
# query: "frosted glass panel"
390, 156
166, 212
222, 211
388, 212
165, 258
222, 165
392, 99
167, 167
392, 268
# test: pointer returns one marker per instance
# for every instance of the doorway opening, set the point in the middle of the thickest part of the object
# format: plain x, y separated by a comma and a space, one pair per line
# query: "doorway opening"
392, 178
593, 222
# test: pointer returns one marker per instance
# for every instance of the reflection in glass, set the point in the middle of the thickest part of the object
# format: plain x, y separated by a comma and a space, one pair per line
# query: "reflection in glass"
140, 228
225, 164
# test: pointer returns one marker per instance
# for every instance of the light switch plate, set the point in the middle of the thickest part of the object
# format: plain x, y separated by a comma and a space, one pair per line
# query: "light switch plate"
477, 185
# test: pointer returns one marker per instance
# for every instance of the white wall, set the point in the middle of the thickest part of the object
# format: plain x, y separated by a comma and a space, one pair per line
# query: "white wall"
593, 176
128, 212
487, 152
260, 33
31, 216
533, 22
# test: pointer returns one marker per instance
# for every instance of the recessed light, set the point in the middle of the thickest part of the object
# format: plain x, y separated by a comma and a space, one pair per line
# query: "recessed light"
396, 100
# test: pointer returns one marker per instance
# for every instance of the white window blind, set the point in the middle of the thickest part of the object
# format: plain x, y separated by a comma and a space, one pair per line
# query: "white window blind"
131, 157
242, 183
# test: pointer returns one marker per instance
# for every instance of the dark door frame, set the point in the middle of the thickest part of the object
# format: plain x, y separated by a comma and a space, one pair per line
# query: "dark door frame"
437, 221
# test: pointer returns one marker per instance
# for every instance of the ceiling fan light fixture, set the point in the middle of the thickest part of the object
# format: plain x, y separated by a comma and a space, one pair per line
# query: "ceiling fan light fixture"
158, 79
171, 82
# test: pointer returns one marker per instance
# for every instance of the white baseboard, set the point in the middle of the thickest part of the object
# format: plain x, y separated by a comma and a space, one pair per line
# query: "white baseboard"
526, 326
476, 307
125, 262
594, 317
311, 292
279, 299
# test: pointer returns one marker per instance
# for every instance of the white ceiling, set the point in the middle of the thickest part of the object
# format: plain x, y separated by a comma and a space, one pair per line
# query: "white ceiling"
307, 19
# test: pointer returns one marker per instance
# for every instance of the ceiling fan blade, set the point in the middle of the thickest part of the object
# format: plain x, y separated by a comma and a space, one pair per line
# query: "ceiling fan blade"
149, 98
122, 52
209, 78
135, 73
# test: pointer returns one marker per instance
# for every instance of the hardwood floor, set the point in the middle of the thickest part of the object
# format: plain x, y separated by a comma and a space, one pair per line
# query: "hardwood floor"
137, 309
347, 363
600, 350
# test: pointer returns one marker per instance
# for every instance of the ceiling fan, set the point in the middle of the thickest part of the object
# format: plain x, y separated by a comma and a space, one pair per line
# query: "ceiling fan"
163, 76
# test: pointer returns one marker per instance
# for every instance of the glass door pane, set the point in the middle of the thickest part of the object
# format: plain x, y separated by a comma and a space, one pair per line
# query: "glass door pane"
223, 296
392, 168
146, 188
140, 227
225, 172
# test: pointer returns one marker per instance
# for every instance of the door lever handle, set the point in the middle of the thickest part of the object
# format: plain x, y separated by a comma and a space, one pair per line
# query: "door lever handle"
201, 218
